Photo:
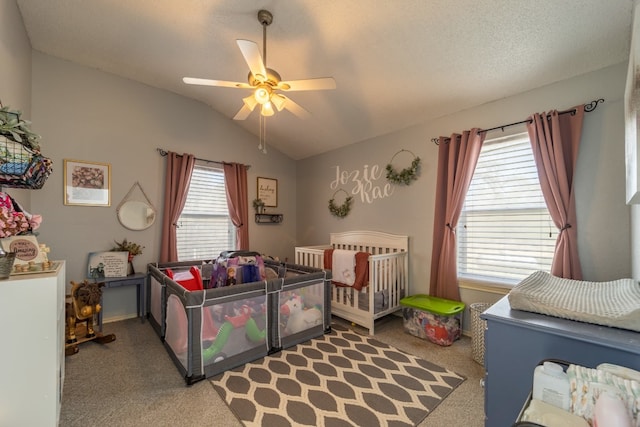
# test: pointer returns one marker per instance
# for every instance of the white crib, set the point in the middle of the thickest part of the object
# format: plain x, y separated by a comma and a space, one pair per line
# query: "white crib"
388, 274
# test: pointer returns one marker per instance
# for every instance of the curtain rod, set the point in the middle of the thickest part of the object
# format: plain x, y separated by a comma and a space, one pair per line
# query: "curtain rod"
587, 108
164, 153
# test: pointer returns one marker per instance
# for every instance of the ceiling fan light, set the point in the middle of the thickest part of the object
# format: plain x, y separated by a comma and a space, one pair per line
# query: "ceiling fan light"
267, 109
278, 101
262, 94
250, 102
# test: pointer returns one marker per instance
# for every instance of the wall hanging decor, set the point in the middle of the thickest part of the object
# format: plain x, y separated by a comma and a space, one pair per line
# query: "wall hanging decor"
135, 211
87, 183
342, 210
407, 175
267, 191
21, 164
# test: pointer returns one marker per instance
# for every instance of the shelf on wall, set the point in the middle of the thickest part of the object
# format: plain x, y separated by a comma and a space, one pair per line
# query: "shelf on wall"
265, 218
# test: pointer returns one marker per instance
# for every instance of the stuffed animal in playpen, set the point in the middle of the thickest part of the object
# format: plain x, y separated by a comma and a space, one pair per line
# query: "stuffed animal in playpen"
299, 318
83, 306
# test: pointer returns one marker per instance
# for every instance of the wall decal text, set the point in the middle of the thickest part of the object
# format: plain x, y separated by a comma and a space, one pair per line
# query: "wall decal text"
364, 183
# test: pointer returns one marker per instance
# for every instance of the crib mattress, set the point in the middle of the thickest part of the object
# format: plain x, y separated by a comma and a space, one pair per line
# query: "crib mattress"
614, 303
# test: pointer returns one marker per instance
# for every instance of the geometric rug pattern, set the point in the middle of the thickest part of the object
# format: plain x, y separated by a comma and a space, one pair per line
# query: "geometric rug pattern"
340, 379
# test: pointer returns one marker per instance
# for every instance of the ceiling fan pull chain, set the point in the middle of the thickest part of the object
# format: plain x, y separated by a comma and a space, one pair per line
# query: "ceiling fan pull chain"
264, 134
260, 124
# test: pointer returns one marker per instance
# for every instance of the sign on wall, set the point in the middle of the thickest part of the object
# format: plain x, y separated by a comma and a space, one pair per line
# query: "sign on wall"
363, 183
268, 191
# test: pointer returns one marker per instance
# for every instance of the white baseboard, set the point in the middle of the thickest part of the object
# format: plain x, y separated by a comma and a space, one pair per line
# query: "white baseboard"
119, 318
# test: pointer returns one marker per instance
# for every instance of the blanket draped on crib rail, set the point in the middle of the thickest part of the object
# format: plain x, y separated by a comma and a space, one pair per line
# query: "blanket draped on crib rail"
361, 269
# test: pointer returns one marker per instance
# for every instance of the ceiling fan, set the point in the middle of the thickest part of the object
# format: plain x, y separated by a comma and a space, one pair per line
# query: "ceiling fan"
265, 82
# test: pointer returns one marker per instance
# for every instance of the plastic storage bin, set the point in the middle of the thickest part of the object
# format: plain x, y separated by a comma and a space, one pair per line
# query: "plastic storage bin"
435, 319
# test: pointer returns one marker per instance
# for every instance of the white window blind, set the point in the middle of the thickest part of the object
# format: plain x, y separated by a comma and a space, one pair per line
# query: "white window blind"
205, 228
505, 231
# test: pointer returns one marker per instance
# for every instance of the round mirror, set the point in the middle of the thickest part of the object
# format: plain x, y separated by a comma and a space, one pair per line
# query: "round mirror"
136, 215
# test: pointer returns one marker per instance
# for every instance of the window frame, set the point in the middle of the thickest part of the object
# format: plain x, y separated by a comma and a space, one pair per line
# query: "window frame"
537, 207
205, 208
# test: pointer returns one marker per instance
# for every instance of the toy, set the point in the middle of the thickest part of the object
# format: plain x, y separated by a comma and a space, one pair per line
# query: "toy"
299, 317
83, 306
252, 332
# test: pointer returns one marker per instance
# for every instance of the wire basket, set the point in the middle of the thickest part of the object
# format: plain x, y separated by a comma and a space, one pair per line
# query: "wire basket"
6, 264
478, 326
22, 167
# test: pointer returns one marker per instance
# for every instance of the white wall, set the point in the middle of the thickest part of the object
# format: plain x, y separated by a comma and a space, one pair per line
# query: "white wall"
603, 217
86, 114
15, 72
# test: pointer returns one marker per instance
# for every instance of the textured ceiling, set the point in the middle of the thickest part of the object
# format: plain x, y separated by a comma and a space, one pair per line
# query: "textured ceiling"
396, 63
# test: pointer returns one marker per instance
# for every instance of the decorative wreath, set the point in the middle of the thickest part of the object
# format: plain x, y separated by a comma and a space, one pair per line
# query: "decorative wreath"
342, 210
405, 176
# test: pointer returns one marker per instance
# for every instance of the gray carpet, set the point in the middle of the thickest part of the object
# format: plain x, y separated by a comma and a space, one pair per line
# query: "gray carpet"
133, 382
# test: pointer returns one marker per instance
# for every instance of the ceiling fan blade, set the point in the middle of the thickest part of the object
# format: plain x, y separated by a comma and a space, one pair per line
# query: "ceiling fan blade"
220, 83
252, 56
243, 113
250, 102
295, 108
322, 83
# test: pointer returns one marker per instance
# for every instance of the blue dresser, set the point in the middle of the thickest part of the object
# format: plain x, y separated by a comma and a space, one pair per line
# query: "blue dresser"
516, 341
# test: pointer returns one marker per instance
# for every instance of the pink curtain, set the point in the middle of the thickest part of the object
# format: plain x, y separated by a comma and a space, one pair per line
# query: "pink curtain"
177, 180
235, 178
555, 139
457, 159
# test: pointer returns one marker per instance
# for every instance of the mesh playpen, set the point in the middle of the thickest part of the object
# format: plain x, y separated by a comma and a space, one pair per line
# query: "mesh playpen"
209, 330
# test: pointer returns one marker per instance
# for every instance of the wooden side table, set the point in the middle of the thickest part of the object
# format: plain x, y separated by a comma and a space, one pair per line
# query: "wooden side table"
137, 279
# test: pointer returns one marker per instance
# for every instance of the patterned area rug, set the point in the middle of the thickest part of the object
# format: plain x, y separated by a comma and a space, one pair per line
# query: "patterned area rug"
339, 379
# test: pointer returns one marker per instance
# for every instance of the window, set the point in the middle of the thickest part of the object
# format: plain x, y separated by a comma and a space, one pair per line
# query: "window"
505, 231
205, 228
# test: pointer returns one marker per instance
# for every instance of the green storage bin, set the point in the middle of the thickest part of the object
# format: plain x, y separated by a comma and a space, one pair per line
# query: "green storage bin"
435, 319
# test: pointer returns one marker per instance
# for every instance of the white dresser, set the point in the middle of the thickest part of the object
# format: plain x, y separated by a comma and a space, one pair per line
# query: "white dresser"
32, 335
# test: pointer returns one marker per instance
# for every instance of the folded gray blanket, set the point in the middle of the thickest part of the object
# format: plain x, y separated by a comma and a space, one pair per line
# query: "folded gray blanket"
615, 303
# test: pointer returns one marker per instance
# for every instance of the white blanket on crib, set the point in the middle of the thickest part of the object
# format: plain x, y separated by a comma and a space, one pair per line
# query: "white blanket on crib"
344, 266
615, 303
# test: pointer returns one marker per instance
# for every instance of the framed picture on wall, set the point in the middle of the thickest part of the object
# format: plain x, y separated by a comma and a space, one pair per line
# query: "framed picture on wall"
87, 183
268, 191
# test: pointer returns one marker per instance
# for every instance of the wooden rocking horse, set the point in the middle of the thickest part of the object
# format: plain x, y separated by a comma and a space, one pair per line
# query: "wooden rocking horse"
81, 308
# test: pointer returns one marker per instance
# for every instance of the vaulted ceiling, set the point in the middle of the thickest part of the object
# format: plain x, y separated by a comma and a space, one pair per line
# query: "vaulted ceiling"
395, 63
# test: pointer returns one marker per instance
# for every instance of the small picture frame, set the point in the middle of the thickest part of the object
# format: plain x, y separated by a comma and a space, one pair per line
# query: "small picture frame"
107, 264
268, 191
87, 183
26, 248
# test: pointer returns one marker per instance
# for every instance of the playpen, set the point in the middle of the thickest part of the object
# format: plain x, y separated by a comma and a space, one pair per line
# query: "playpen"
207, 331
